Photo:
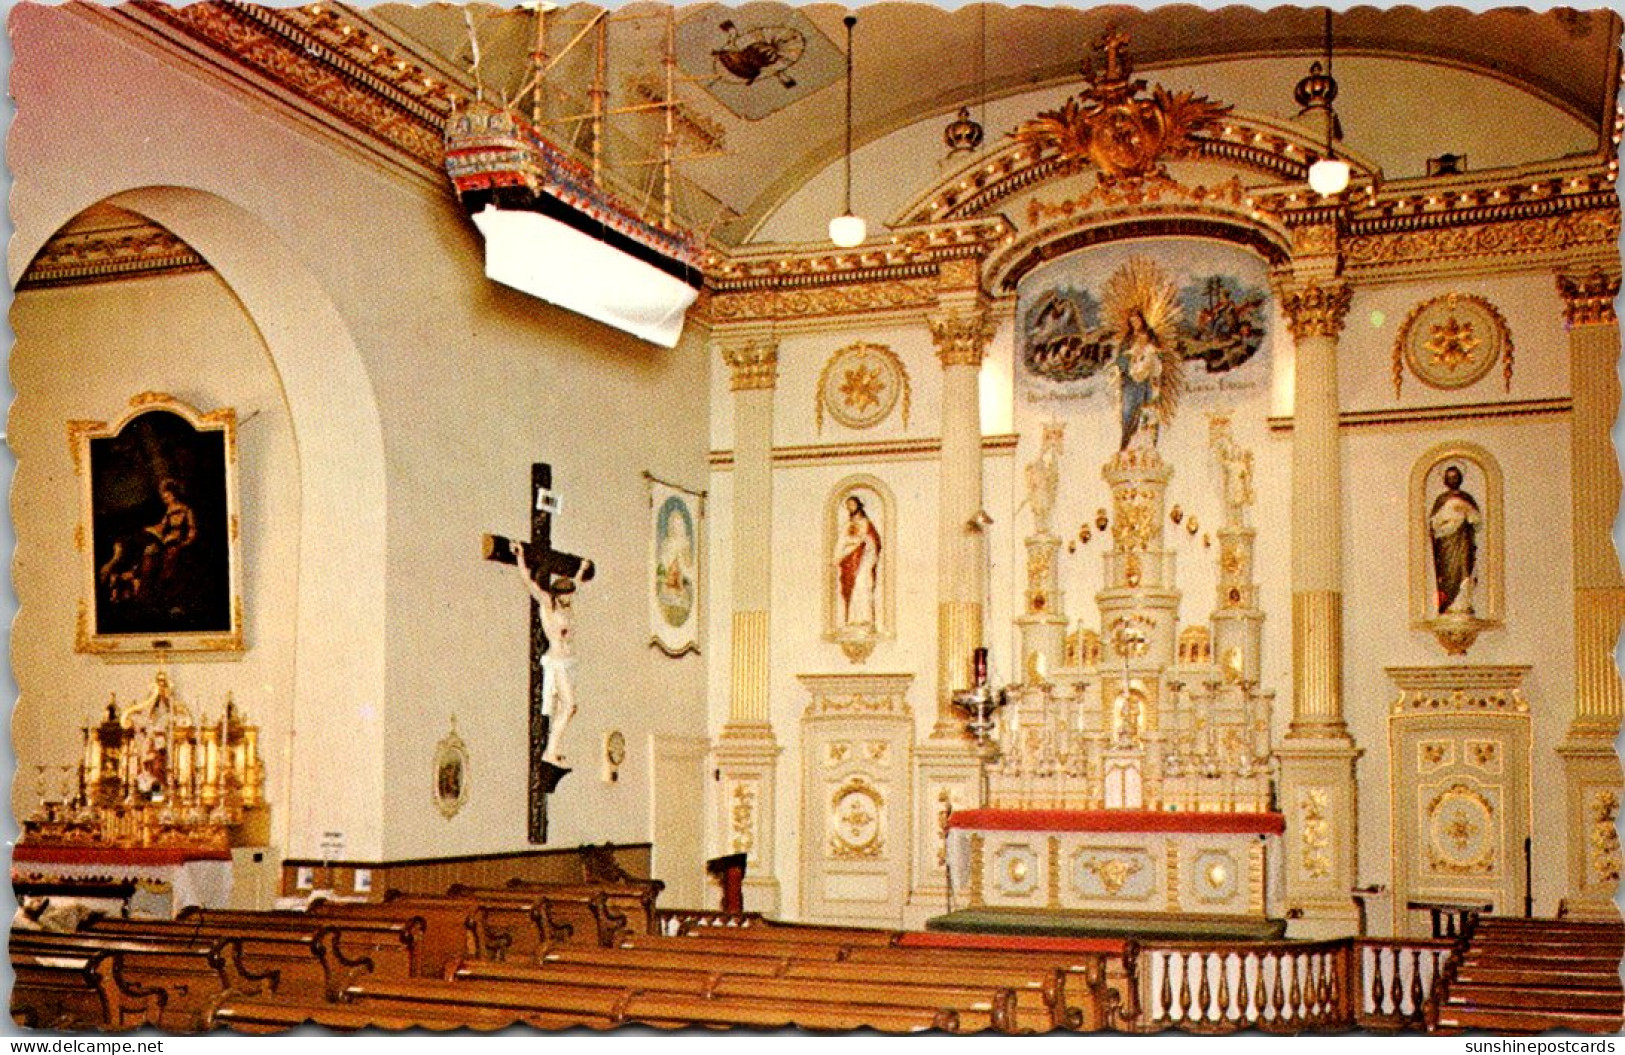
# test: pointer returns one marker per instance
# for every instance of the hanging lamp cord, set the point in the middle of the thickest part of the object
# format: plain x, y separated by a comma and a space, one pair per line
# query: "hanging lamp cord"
851, 20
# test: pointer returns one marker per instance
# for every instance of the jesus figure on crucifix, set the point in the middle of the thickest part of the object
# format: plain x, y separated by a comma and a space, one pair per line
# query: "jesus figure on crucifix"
559, 661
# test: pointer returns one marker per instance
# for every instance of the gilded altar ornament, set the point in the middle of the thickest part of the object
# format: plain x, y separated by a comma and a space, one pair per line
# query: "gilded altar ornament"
1451, 342
855, 812
860, 386
1461, 832
152, 773
1112, 126
1317, 833
1113, 872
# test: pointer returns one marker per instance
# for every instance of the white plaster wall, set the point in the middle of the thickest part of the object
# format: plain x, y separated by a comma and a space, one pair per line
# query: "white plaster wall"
472, 383
81, 354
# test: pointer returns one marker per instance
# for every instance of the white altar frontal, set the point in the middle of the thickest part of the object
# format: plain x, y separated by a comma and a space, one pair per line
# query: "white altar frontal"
1130, 771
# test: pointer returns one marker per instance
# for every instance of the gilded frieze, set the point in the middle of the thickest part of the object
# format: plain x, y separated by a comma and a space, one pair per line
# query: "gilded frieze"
1597, 227
1316, 838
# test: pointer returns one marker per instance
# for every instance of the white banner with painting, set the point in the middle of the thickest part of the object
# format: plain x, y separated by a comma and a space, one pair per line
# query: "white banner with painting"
676, 515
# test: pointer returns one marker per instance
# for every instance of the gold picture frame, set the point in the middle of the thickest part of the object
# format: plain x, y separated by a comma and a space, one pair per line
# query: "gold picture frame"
158, 535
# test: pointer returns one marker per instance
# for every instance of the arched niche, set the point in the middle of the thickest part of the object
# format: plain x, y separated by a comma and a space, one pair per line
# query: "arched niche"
339, 666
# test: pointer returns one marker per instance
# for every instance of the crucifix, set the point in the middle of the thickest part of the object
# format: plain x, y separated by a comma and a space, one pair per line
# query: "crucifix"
552, 576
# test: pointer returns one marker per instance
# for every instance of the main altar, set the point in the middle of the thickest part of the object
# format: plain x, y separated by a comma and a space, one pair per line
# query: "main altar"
1128, 776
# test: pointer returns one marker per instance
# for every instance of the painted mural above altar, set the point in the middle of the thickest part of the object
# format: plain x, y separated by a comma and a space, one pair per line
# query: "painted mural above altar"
1205, 303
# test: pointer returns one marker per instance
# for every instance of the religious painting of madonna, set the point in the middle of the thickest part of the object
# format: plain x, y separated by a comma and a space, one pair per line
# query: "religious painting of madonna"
158, 535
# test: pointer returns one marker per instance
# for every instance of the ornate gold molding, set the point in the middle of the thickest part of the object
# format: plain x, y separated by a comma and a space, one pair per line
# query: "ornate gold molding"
137, 250
1314, 310
753, 361
961, 335
1594, 227
881, 451
847, 299
367, 85
1454, 689
1588, 299
1316, 840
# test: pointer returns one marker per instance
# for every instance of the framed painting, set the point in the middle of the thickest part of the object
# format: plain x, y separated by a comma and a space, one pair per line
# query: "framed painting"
1456, 544
158, 534
676, 515
450, 773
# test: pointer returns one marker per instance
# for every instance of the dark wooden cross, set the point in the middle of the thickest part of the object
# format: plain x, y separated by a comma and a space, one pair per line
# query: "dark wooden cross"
545, 564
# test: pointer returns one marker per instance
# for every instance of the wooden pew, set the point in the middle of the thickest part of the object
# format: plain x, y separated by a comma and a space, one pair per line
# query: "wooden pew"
796, 933
1038, 987
317, 957
603, 1006
174, 985
979, 1006
501, 929
451, 929
630, 903
74, 992
260, 1015
562, 912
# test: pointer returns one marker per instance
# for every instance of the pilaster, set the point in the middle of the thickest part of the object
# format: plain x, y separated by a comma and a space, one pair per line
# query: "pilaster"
961, 329
1317, 787
1591, 768
747, 752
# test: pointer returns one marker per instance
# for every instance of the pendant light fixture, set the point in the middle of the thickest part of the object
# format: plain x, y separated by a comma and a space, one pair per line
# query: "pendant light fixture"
848, 230
1329, 174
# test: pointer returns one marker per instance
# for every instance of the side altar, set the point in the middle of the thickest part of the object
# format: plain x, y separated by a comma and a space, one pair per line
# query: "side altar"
1129, 776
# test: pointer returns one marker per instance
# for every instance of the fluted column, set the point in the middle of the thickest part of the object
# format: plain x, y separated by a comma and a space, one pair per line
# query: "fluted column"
747, 753
946, 773
1591, 767
1317, 790
961, 329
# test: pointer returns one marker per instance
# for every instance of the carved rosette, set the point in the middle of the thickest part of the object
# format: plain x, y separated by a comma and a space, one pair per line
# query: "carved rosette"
754, 362
1314, 310
1588, 300
961, 335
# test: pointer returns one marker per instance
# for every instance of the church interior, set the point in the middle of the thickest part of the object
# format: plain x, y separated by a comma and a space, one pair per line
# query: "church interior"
1089, 518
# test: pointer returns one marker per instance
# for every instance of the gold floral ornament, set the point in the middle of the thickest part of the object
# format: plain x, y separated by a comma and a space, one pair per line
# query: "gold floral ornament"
860, 385
1113, 127
1452, 341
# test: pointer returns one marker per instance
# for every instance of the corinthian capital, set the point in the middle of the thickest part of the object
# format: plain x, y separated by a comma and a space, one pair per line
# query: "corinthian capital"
961, 334
1314, 310
1588, 299
754, 362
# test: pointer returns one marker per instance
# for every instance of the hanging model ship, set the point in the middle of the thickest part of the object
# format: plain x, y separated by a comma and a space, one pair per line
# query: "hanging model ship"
552, 229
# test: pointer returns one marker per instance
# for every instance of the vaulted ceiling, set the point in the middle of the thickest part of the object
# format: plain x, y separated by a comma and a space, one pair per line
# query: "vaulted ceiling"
760, 86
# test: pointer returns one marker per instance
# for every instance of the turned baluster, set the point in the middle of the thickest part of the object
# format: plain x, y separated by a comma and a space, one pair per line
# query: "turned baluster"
1166, 995
1378, 992
1295, 1000
1416, 981
1396, 985
1260, 994
1204, 993
1227, 995
1278, 999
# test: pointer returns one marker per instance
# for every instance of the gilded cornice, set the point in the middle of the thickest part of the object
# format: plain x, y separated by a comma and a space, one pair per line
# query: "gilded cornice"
754, 362
1588, 299
129, 251
1315, 310
339, 69
823, 301
961, 334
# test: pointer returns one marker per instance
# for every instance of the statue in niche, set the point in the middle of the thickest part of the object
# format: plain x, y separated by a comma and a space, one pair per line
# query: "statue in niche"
1453, 524
1148, 363
1044, 477
857, 563
1126, 721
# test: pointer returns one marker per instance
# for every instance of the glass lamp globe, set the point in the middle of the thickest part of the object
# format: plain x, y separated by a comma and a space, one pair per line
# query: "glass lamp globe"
1329, 176
847, 230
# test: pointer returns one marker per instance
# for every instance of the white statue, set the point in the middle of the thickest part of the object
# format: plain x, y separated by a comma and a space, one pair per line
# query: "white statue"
1044, 476
1236, 462
559, 661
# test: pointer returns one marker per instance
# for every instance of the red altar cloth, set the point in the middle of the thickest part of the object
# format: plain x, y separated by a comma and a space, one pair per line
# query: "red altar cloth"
159, 856
1119, 821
